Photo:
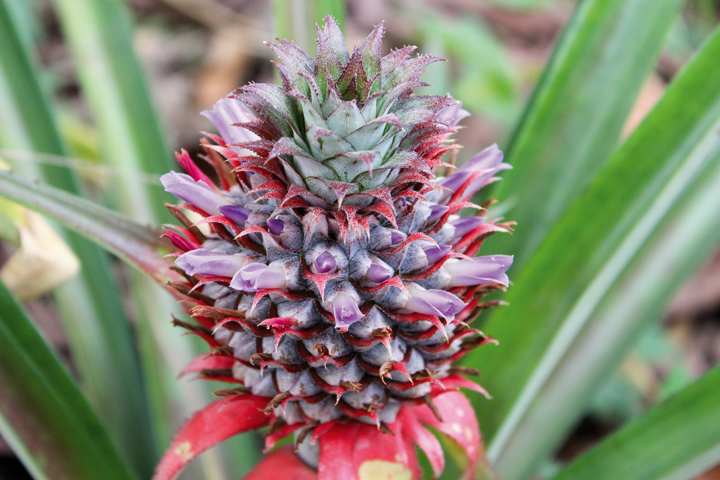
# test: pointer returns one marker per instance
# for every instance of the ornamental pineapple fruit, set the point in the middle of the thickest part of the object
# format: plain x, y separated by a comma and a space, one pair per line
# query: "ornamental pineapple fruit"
338, 280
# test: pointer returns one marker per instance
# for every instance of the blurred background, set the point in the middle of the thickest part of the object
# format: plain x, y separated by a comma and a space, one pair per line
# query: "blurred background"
196, 51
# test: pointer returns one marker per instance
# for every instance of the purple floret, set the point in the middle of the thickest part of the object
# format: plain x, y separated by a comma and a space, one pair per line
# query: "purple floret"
197, 193
345, 310
434, 302
204, 262
465, 225
434, 253
489, 162
258, 276
325, 262
275, 226
479, 270
378, 273
237, 214
225, 113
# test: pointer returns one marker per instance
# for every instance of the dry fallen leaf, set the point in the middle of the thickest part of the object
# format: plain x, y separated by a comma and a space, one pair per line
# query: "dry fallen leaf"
42, 262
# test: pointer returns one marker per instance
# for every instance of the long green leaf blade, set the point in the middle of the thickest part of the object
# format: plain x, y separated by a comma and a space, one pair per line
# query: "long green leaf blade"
100, 35
98, 331
297, 20
138, 245
677, 440
600, 277
43, 415
574, 120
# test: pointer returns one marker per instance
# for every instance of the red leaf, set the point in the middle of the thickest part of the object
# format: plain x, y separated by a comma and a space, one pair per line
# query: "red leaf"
279, 322
274, 185
412, 238
186, 162
384, 210
283, 432
180, 242
358, 450
282, 463
457, 381
336, 448
218, 421
459, 423
220, 219
483, 229
320, 279
209, 362
424, 439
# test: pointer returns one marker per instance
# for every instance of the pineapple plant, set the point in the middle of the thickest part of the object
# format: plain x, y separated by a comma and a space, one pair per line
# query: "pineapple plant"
336, 281
588, 289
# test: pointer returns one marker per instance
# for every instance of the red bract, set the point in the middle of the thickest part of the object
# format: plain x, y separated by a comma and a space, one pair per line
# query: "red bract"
282, 462
349, 450
218, 421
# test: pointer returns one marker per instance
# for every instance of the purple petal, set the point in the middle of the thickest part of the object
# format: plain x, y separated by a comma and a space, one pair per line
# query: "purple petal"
436, 253
378, 273
455, 113
434, 302
345, 310
396, 238
273, 277
224, 113
235, 213
489, 161
196, 193
437, 211
276, 226
465, 225
479, 270
258, 276
325, 262
203, 262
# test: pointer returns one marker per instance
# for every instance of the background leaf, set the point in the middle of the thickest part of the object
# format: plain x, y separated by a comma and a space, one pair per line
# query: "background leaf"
297, 20
577, 112
598, 279
676, 440
100, 35
94, 320
138, 245
489, 87
43, 415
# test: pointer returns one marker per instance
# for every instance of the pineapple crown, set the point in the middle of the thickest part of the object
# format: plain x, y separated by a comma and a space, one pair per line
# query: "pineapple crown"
346, 129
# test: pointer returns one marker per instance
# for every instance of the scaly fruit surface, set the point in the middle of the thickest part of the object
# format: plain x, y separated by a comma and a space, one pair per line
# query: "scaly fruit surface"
338, 279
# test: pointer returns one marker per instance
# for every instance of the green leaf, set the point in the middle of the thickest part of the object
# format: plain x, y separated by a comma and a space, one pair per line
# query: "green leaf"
98, 331
575, 117
138, 245
676, 440
43, 415
489, 86
296, 21
604, 271
99, 33
336, 8
522, 4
